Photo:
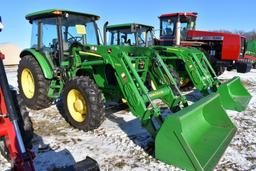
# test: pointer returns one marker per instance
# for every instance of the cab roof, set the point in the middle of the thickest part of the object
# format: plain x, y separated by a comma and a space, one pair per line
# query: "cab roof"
56, 12
193, 14
126, 25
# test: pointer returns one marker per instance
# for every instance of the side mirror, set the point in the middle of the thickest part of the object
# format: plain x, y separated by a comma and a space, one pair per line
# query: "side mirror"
1, 25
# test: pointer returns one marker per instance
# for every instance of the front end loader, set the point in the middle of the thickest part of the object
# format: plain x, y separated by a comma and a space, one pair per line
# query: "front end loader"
70, 66
190, 65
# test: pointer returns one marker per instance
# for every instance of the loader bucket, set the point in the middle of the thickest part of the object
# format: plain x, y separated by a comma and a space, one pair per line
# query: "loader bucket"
196, 137
233, 95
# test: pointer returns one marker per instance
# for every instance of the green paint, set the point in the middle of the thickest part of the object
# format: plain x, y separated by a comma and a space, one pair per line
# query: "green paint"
196, 65
251, 50
50, 13
196, 137
234, 95
55, 89
198, 69
44, 63
193, 138
127, 26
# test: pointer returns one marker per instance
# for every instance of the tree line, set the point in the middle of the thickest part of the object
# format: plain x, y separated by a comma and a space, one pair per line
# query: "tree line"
250, 35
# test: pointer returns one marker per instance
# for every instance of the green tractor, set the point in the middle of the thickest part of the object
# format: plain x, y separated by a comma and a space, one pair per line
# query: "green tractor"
251, 52
189, 66
66, 62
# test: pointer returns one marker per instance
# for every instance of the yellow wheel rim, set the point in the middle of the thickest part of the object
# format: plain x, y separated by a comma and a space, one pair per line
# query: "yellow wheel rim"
76, 105
28, 83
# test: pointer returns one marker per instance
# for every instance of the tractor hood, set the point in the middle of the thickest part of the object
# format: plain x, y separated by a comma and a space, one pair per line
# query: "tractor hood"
233, 45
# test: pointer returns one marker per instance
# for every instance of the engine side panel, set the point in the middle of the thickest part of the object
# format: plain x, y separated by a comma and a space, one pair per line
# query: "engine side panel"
231, 43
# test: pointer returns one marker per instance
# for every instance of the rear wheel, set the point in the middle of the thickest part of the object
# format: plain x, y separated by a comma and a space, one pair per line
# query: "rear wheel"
219, 69
176, 77
24, 121
82, 104
254, 65
243, 66
150, 85
188, 86
214, 63
32, 84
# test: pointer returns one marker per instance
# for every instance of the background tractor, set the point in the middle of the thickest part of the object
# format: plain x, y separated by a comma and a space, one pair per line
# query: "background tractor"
189, 66
222, 49
66, 62
251, 51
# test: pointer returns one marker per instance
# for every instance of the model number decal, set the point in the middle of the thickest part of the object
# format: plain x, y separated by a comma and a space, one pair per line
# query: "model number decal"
208, 38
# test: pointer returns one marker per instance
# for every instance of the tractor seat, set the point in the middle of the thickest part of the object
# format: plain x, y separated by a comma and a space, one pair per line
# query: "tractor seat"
65, 46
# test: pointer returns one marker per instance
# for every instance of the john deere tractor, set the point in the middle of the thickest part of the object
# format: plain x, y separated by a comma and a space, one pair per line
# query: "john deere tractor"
189, 66
251, 52
66, 62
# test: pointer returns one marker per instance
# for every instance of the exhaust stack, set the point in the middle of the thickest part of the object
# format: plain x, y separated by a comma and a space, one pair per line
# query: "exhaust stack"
105, 33
177, 34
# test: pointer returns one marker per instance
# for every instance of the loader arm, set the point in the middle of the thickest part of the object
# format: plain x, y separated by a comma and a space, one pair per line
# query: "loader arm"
190, 65
196, 64
233, 94
174, 142
132, 69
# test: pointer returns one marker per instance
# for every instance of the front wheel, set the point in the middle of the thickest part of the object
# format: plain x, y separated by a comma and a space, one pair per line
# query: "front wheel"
82, 104
214, 63
219, 70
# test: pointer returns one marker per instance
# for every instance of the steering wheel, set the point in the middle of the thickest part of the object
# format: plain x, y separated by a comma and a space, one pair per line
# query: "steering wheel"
74, 39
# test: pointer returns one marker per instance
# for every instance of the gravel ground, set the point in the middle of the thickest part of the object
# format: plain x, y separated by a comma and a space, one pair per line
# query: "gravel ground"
120, 142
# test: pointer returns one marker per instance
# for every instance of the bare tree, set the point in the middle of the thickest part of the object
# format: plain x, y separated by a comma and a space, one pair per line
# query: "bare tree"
250, 35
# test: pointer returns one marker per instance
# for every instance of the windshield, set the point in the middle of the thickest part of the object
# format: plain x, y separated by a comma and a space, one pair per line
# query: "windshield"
79, 29
141, 37
168, 26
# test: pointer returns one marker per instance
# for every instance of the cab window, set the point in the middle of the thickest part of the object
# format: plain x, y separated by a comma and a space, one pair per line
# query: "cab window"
141, 38
78, 29
167, 27
34, 36
183, 29
150, 39
112, 38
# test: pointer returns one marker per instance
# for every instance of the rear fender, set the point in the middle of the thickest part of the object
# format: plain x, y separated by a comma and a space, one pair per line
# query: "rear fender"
42, 60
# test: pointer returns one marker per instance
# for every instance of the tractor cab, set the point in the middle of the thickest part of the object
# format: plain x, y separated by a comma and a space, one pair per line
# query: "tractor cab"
130, 34
174, 26
222, 49
54, 32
